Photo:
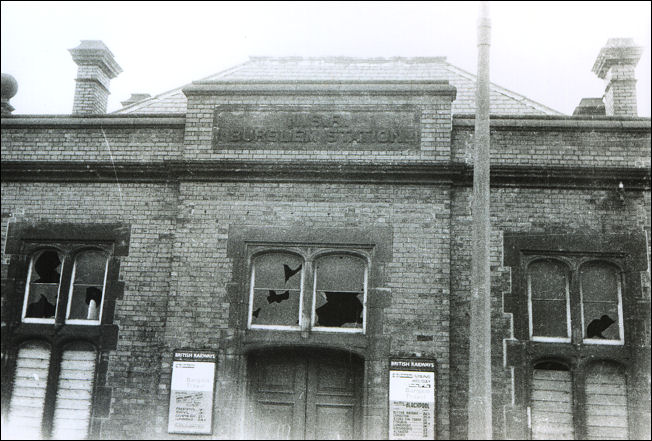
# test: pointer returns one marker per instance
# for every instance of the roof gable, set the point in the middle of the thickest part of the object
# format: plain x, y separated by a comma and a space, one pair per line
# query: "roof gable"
503, 101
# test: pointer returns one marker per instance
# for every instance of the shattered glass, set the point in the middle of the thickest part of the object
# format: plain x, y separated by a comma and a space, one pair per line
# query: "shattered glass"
43, 288
276, 289
88, 286
599, 281
339, 291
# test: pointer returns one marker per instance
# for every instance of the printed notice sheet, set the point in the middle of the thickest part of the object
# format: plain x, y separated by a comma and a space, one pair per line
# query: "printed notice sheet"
191, 392
412, 399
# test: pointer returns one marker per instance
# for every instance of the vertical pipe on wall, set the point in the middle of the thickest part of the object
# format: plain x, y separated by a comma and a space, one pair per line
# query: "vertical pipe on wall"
479, 404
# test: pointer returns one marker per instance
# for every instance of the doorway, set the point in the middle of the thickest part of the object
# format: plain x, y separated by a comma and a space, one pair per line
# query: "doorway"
304, 394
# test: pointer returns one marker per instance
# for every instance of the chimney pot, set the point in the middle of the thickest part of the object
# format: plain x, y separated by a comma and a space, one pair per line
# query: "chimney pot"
96, 69
615, 65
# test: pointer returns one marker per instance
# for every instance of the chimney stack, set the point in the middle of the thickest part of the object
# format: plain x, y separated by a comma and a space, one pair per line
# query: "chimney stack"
96, 69
615, 65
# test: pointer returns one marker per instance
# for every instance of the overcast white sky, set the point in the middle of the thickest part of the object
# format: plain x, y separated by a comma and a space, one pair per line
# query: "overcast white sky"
543, 50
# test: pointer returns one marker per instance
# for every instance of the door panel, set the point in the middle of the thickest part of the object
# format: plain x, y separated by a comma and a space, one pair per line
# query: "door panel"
278, 397
334, 422
305, 395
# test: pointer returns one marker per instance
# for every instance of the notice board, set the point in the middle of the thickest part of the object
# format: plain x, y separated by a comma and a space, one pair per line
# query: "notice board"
191, 392
411, 399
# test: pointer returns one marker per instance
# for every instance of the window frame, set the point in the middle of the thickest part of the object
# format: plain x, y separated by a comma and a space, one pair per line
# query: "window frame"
252, 279
619, 282
70, 251
309, 254
23, 239
74, 257
28, 282
567, 274
313, 307
627, 250
575, 304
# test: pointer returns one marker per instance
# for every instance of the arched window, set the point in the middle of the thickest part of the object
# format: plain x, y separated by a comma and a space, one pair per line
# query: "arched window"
548, 301
551, 406
28, 395
42, 287
339, 291
339, 295
276, 296
72, 412
606, 402
86, 295
602, 313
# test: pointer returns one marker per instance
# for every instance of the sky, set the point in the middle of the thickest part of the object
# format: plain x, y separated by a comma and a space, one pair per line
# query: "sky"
543, 50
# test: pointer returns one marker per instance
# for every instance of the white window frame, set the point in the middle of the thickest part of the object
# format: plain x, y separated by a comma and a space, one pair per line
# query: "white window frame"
621, 327
313, 318
252, 281
566, 339
307, 323
28, 285
70, 321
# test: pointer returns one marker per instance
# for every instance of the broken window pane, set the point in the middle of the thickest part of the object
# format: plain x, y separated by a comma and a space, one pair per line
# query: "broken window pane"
548, 290
600, 285
43, 285
276, 280
85, 301
339, 291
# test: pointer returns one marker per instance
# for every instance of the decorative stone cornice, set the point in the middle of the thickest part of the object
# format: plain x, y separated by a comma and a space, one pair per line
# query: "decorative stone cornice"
451, 173
91, 121
554, 122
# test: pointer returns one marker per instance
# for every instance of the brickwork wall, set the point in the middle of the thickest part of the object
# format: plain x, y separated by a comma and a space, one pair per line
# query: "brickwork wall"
418, 275
533, 211
558, 147
139, 144
141, 314
435, 130
177, 271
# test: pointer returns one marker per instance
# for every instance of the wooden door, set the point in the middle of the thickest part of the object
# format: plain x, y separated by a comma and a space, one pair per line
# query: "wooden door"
304, 395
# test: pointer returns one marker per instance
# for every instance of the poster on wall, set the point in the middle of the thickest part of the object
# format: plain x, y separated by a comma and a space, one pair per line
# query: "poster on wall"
191, 392
411, 399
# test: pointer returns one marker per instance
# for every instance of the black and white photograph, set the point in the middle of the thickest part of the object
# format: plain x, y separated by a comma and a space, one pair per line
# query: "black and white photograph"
326, 220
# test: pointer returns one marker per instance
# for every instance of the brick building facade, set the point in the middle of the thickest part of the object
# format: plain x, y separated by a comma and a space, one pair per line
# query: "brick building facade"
307, 221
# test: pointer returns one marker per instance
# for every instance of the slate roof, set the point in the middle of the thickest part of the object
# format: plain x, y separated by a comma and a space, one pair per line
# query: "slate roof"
503, 101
